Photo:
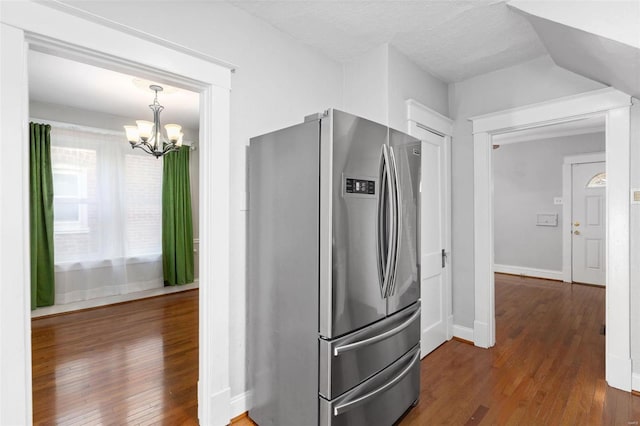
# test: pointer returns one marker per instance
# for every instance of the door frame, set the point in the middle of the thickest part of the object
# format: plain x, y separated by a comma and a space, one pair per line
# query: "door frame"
567, 207
421, 118
614, 106
80, 36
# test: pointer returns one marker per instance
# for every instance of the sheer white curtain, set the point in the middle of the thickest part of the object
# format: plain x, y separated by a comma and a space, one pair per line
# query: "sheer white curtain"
107, 215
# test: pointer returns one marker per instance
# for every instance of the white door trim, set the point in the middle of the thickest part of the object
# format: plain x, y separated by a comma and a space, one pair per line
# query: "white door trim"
422, 118
567, 199
615, 107
29, 24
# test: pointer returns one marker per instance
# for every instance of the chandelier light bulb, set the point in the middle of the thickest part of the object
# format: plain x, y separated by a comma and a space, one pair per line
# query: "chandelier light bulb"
132, 133
173, 132
145, 129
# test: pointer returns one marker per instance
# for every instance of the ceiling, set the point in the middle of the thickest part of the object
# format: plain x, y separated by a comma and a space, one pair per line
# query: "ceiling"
451, 39
61, 81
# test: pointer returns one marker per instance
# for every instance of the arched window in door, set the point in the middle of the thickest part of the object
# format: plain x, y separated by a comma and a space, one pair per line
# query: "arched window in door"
598, 181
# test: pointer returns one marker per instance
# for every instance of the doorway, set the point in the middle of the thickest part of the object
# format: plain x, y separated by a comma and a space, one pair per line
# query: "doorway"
100, 43
615, 107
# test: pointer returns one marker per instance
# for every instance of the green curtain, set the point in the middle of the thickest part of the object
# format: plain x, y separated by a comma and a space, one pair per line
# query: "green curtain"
177, 227
41, 216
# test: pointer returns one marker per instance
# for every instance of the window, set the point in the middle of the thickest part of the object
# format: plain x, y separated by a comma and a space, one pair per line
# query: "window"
107, 198
69, 198
598, 181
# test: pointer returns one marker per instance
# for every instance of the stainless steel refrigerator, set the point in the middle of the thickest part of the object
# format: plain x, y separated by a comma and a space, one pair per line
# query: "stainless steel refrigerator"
333, 294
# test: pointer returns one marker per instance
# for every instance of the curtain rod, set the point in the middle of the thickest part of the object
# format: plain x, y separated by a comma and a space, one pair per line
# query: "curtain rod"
98, 130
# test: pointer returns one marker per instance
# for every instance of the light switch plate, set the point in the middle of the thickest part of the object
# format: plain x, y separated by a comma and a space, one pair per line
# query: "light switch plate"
557, 201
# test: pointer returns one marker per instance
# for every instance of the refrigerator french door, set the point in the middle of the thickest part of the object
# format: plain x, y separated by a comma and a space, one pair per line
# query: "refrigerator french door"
333, 295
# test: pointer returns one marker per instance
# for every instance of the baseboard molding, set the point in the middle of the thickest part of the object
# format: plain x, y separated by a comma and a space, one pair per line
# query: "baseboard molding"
218, 409
240, 404
529, 272
481, 335
635, 382
618, 372
464, 333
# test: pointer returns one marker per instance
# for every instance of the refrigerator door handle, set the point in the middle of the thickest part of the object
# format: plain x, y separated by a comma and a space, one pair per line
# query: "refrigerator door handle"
340, 409
371, 340
396, 223
385, 236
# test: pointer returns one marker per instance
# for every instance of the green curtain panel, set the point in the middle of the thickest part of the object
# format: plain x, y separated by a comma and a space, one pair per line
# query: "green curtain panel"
41, 216
177, 227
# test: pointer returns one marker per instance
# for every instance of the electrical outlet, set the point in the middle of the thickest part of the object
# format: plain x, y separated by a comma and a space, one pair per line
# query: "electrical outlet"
557, 201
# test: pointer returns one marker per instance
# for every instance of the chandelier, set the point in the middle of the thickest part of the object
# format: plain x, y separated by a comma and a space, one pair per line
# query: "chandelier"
148, 136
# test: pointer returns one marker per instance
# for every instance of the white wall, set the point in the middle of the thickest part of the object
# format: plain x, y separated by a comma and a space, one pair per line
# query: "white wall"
407, 80
377, 84
366, 85
277, 83
534, 81
526, 178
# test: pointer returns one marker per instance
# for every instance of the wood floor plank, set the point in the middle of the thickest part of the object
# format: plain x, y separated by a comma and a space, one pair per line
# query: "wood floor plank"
133, 363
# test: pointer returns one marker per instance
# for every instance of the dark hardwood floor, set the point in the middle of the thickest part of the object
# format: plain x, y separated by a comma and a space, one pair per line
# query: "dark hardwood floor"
137, 363
134, 363
547, 367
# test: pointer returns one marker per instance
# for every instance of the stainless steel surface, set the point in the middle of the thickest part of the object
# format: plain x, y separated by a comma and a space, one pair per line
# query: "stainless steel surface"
377, 338
347, 406
351, 359
406, 150
379, 401
282, 295
334, 326
355, 297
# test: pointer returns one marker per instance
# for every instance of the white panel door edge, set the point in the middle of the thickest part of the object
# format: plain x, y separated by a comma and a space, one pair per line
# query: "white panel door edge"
435, 278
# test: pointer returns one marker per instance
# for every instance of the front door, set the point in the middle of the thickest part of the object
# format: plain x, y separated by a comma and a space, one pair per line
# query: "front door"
588, 222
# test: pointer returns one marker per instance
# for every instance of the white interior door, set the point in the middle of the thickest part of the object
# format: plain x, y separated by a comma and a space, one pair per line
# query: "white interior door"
588, 222
434, 240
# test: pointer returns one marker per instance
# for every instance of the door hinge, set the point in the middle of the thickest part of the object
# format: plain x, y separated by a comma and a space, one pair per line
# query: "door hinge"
444, 258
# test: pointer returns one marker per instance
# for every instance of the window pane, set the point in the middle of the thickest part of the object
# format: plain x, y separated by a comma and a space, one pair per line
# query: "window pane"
65, 184
598, 181
66, 212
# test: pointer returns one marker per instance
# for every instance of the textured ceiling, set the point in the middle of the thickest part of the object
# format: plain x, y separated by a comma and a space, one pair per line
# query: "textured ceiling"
451, 39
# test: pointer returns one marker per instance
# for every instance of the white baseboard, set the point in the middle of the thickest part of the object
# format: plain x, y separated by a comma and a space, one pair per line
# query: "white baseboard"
635, 382
110, 300
240, 403
465, 333
618, 372
529, 272
481, 336
218, 408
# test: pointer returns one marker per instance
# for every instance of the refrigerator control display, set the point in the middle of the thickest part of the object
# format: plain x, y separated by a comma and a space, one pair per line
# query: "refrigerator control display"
360, 186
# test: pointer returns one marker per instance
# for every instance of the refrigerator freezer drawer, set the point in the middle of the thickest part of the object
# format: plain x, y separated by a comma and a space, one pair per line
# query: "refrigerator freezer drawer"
349, 360
379, 401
